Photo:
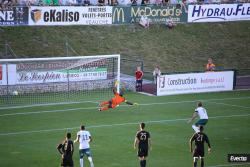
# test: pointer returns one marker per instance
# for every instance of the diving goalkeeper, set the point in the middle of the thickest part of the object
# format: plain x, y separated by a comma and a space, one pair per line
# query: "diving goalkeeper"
115, 101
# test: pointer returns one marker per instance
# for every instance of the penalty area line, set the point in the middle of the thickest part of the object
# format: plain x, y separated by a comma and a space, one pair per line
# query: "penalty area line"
117, 124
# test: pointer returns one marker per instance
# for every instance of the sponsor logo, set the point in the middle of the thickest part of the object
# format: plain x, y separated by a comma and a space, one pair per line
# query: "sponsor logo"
219, 12
118, 14
61, 16
164, 81
238, 157
54, 15
1, 72
7, 17
15, 16
182, 81
155, 12
36, 15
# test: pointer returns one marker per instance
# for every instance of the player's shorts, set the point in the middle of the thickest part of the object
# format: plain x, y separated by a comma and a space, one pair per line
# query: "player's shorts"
112, 104
198, 153
201, 122
86, 152
67, 161
139, 81
142, 152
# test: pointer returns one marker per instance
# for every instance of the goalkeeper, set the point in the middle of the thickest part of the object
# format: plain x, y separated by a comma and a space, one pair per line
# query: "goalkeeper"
115, 101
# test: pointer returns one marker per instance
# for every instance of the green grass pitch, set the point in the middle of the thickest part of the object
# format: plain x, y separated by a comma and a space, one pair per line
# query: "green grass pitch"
30, 140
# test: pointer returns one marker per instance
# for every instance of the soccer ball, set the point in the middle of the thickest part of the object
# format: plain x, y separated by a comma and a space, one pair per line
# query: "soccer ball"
15, 93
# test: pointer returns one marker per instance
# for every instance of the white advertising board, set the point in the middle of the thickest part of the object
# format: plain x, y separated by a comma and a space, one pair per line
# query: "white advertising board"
70, 15
218, 12
37, 77
195, 83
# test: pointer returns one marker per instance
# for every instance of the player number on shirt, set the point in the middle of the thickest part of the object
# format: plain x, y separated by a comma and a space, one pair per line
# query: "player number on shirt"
85, 137
143, 136
200, 137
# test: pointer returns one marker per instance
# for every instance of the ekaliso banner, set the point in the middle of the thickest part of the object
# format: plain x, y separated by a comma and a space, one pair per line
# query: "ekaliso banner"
218, 12
195, 83
70, 15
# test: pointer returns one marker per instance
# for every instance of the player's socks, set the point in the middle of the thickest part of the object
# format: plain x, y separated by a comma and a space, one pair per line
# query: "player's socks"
104, 108
81, 162
196, 129
91, 161
195, 164
202, 162
141, 163
104, 103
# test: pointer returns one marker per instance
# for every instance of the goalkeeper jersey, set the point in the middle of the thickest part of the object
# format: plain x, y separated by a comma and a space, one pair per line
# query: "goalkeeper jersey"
118, 99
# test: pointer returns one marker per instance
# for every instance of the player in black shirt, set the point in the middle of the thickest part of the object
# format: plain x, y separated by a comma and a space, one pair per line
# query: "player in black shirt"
143, 142
66, 149
199, 139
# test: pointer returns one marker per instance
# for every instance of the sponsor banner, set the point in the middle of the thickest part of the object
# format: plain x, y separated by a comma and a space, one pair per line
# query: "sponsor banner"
70, 15
3, 80
218, 12
54, 71
15, 16
195, 83
61, 76
156, 14
11, 72
37, 77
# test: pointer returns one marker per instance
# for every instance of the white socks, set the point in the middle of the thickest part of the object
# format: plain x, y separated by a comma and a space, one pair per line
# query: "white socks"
81, 162
91, 161
196, 129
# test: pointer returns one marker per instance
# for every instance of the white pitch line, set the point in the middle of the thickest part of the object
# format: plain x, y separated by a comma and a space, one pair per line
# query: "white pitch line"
64, 103
46, 104
47, 111
231, 105
229, 165
146, 104
118, 124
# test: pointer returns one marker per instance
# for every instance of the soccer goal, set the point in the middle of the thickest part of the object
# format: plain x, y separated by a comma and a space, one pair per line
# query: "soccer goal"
58, 79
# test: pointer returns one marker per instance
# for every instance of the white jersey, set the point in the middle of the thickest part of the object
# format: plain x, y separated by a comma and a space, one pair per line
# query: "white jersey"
201, 112
84, 138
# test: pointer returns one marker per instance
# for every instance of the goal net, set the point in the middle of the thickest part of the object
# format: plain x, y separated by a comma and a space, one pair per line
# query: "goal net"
57, 80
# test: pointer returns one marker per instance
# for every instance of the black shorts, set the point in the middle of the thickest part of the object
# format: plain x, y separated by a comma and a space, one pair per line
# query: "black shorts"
67, 161
198, 153
139, 81
142, 152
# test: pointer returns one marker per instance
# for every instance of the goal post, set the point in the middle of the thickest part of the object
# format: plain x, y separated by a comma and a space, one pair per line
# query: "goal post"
58, 79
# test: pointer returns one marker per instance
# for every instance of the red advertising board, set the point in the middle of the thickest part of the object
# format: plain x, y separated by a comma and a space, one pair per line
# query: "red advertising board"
1, 72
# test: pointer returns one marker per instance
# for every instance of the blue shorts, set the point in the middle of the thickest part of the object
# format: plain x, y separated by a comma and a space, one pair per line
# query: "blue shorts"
86, 152
201, 122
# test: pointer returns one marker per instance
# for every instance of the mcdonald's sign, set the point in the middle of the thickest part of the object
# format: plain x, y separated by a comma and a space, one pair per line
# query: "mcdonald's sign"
121, 15
156, 14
